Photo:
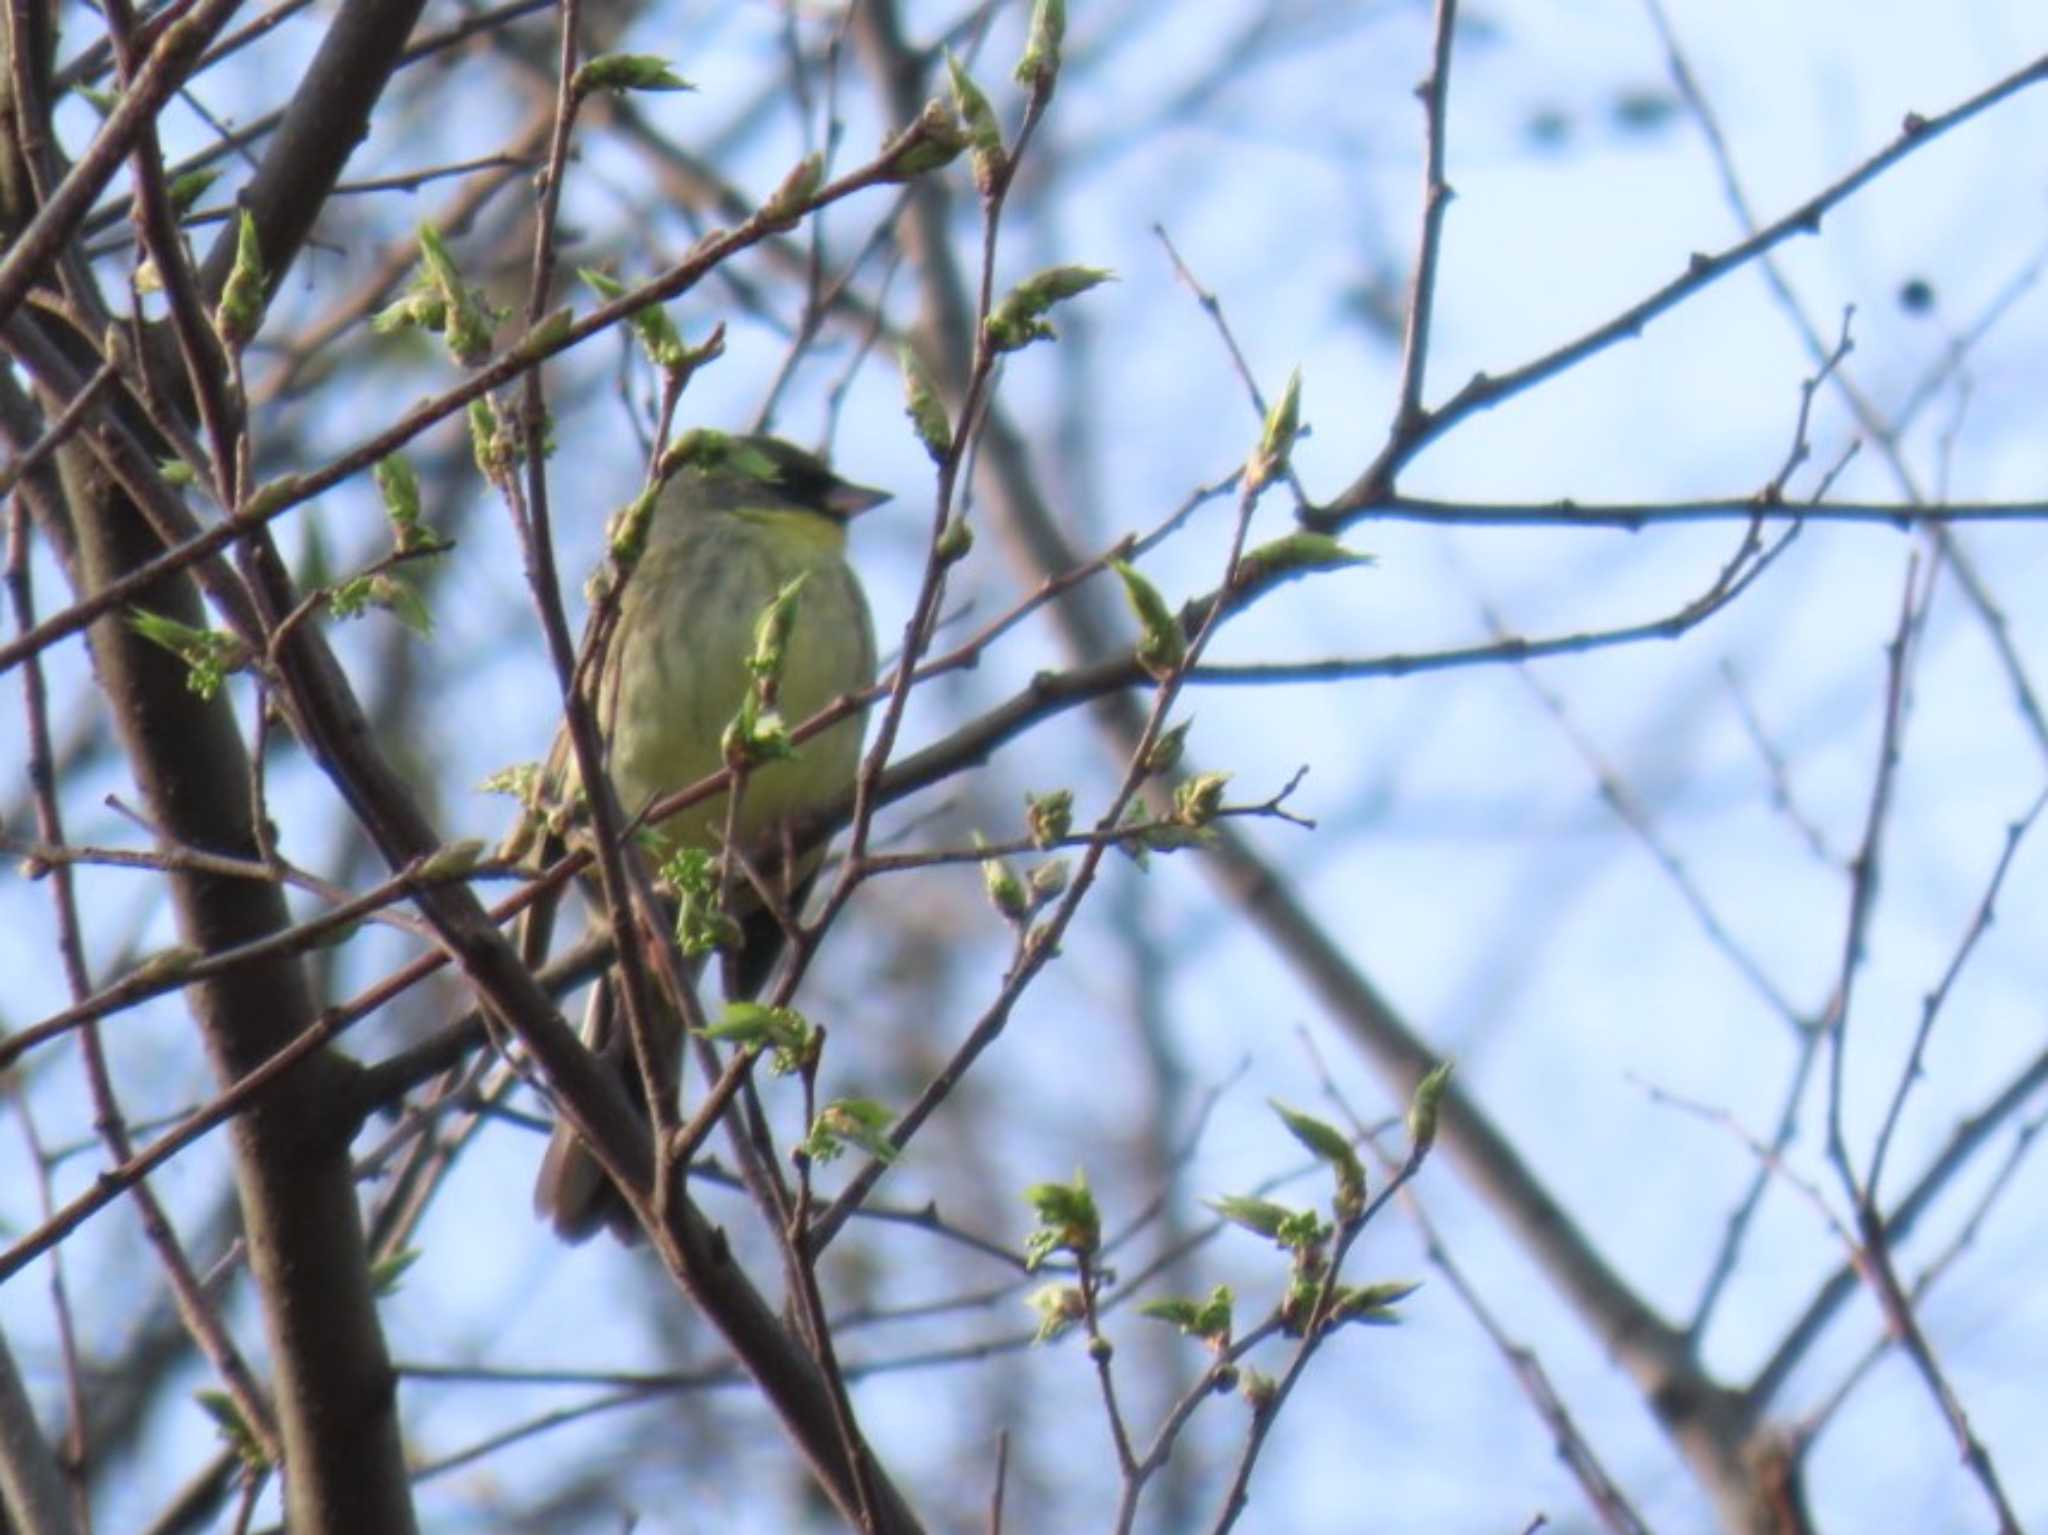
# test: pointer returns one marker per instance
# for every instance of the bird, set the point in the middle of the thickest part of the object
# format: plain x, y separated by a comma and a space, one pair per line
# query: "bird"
741, 520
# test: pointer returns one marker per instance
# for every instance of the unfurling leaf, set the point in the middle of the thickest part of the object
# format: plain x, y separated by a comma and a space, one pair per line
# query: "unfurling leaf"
1162, 645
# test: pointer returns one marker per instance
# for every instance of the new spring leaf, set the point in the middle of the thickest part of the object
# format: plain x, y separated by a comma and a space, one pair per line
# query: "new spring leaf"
1019, 319
1161, 646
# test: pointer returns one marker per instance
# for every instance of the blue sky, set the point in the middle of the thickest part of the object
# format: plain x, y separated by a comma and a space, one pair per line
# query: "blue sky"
1465, 858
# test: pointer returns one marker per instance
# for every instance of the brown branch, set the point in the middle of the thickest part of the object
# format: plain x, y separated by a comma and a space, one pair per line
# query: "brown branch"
1435, 92
1484, 391
36, 249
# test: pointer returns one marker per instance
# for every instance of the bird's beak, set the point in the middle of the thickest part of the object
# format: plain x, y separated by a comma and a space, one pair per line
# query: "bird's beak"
847, 501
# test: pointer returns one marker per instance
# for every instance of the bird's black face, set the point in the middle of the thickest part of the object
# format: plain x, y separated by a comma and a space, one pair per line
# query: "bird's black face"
803, 479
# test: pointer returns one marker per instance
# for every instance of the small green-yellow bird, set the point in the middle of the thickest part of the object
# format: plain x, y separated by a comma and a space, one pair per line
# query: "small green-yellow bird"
730, 531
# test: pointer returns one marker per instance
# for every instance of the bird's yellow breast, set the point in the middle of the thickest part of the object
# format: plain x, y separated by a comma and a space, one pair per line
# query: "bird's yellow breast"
686, 629
791, 530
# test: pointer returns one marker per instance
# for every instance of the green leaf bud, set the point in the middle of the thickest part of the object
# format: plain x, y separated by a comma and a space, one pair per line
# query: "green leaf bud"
1068, 1220
1423, 1107
1276, 438
989, 159
1039, 68
1005, 891
860, 1122
1162, 646
622, 72
1058, 1307
1329, 1145
790, 201
1296, 554
934, 139
240, 314
1196, 802
955, 541
189, 188
922, 404
1050, 816
1019, 319
1165, 753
